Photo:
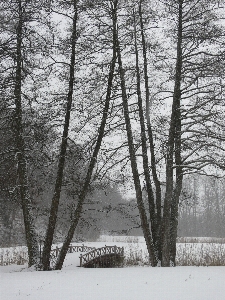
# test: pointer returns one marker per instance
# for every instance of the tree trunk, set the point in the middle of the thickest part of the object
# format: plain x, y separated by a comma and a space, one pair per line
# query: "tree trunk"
58, 183
151, 200
178, 187
174, 216
143, 217
92, 164
170, 147
31, 236
158, 192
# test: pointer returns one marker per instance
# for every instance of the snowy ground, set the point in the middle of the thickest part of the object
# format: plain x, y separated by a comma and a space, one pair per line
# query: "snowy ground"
131, 283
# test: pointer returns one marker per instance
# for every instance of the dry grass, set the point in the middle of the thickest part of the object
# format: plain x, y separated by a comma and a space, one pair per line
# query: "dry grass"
15, 255
188, 254
120, 239
205, 254
201, 240
135, 255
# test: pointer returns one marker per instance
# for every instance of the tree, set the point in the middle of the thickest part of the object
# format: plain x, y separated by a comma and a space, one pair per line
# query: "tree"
19, 70
61, 163
120, 94
161, 239
31, 237
92, 163
144, 221
39, 138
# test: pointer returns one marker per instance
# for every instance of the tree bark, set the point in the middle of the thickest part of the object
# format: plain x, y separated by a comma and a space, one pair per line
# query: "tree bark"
175, 115
178, 186
31, 236
143, 216
59, 178
174, 215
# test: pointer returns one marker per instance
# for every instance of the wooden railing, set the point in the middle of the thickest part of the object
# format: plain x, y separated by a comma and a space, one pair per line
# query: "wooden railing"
100, 252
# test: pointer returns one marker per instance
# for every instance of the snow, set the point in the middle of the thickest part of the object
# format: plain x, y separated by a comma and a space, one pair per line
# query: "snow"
133, 283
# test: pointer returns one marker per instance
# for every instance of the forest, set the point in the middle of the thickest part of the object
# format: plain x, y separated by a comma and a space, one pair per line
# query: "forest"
111, 120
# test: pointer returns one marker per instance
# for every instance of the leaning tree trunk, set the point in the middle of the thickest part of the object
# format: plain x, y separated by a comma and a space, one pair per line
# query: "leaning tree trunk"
31, 236
151, 198
140, 203
158, 192
92, 164
59, 178
173, 134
